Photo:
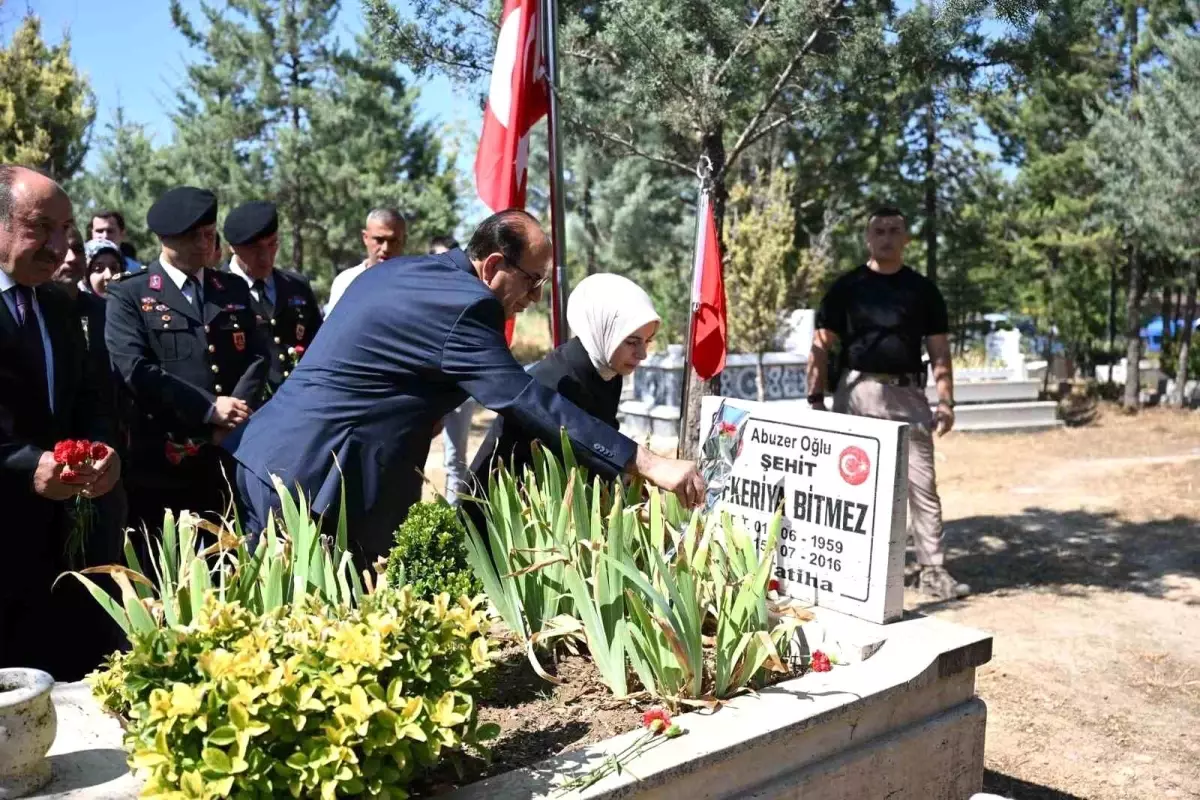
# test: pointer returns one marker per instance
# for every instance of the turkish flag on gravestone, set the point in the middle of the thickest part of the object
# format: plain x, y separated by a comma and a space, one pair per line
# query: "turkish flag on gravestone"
517, 99
709, 335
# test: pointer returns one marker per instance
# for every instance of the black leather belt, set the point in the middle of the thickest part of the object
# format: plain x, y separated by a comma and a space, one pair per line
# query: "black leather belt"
906, 379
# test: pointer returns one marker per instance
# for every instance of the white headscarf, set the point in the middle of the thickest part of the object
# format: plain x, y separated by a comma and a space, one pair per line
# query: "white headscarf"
603, 311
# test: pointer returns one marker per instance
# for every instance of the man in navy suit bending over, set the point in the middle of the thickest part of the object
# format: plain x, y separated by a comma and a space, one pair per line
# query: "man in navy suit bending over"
419, 335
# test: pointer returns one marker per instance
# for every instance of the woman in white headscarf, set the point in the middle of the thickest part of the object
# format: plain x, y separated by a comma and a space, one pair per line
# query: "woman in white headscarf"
614, 322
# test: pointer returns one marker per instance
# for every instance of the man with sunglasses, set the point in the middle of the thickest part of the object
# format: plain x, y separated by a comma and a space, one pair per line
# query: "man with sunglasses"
416, 337
191, 357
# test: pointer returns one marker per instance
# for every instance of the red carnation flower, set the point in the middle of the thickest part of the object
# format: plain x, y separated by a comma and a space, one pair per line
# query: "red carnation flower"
773, 585
820, 662
62, 451
656, 719
69, 475
299, 350
728, 427
99, 451
81, 452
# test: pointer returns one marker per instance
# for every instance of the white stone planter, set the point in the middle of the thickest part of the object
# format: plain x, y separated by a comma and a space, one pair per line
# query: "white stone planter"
901, 720
904, 724
27, 728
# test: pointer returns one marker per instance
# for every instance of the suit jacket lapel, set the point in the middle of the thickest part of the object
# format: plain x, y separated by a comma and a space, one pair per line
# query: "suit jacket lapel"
170, 294
214, 293
8, 323
60, 351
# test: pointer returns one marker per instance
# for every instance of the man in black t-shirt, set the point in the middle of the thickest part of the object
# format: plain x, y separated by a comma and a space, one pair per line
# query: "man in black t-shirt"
881, 312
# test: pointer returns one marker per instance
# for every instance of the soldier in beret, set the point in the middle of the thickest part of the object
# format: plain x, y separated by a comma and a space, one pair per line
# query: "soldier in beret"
283, 301
185, 342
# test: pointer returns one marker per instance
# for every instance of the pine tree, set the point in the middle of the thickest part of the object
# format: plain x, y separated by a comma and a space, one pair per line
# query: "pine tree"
46, 106
131, 173
276, 109
757, 266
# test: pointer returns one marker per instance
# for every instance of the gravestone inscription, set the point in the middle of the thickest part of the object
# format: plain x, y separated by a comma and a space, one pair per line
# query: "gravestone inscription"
841, 483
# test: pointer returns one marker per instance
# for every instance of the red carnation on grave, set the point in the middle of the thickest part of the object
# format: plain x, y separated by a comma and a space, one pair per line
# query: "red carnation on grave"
99, 451
773, 585
728, 427
820, 662
656, 719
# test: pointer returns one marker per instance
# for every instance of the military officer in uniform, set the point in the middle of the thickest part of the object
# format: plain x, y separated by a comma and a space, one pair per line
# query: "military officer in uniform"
283, 301
185, 343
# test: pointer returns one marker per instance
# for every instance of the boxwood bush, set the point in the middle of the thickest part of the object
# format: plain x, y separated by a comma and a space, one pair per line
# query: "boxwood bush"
312, 700
431, 553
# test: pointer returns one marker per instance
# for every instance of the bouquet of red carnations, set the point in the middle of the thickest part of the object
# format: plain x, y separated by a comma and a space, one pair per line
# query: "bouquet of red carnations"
72, 454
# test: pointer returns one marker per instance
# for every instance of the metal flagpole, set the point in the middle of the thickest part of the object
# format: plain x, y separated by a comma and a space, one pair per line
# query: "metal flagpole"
694, 306
558, 222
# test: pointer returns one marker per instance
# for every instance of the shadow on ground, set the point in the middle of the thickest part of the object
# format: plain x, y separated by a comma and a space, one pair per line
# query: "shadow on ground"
1017, 789
1068, 550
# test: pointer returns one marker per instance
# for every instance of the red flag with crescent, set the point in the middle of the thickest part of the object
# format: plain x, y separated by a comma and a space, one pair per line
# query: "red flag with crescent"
517, 98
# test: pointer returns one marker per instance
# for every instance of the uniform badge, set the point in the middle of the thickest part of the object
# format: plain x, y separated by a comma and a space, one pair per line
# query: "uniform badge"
156, 282
161, 307
216, 281
235, 307
239, 340
149, 306
299, 331
297, 300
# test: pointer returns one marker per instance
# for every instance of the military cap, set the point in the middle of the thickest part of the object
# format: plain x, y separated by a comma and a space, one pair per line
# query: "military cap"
180, 210
250, 222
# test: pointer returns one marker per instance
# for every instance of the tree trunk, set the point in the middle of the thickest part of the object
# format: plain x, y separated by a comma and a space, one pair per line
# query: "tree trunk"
1133, 338
713, 146
1111, 350
760, 378
1185, 339
589, 226
297, 190
1165, 314
931, 204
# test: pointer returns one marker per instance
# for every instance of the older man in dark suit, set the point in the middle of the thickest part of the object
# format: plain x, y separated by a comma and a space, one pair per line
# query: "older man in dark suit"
417, 337
47, 394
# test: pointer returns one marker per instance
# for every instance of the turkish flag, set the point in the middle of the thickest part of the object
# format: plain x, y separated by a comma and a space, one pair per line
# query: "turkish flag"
709, 329
517, 99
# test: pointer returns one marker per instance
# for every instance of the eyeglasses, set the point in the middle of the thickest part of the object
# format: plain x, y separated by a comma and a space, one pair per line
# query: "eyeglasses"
535, 282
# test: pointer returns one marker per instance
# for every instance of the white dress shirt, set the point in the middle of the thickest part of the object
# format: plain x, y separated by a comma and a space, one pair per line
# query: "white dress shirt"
343, 280
179, 278
8, 289
236, 268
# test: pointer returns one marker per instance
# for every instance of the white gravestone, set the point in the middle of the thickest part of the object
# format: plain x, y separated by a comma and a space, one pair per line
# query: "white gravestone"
843, 484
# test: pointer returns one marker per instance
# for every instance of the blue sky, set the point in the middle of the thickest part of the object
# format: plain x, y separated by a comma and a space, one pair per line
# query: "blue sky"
134, 57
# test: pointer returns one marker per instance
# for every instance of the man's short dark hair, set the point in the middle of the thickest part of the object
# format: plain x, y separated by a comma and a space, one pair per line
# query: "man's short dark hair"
109, 214
505, 232
445, 242
886, 211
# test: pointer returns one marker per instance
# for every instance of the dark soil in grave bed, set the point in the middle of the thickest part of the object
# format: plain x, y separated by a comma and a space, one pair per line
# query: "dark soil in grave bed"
538, 719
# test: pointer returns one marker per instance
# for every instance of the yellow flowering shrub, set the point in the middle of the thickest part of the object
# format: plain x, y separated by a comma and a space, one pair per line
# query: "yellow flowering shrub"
310, 700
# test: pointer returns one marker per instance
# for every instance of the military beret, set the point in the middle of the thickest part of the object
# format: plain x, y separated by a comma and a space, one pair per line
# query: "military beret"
250, 222
180, 210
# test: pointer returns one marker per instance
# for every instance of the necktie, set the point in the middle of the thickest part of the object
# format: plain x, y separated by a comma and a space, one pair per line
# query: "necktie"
193, 293
264, 301
30, 337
